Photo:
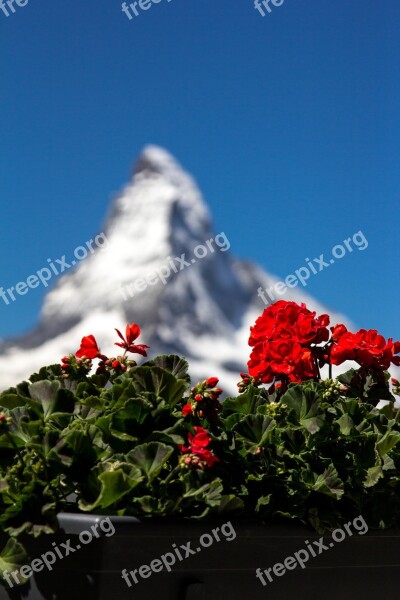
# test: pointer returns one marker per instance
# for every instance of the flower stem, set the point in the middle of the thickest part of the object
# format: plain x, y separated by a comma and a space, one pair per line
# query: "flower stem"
175, 470
14, 445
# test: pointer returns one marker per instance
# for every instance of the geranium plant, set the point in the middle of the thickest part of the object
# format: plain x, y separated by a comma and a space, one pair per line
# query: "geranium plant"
114, 437
315, 449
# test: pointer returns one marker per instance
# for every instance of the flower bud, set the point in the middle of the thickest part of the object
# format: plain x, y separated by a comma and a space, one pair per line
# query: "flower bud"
4, 420
212, 382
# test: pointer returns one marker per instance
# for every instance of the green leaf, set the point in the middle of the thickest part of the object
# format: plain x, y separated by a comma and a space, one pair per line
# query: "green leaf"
147, 504
255, 431
115, 484
230, 503
387, 442
375, 389
126, 422
388, 463
263, 501
245, 404
346, 424
74, 448
373, 476
232, 420
93, 402
171, 362
367, 387
52, 398
211, 493
23, 427
46, 373
304, 401
12, 557
166, 436
159, 382
11, 401
348, 377
150, 458
329, 483
25, 513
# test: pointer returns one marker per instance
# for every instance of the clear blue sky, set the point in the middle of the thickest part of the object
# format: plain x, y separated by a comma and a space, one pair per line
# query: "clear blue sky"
290, 124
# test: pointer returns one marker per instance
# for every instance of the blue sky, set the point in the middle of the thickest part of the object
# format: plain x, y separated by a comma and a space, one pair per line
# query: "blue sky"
288, 122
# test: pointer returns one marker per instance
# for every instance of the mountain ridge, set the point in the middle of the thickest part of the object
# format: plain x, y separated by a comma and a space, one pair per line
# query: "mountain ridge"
202, 311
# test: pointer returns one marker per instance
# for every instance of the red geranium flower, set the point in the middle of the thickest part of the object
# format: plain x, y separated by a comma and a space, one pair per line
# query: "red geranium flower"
290, 321
207, 456
132, 332
200, 440
88, 348
368, 348
338, 331
187, 410
282, 358
282, 338
198, 443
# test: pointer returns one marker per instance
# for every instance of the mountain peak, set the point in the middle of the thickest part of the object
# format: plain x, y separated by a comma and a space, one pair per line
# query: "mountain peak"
161, 187
162, 267
155, 159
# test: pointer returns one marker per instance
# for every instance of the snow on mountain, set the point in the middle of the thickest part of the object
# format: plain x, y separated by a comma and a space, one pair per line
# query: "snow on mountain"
203, 311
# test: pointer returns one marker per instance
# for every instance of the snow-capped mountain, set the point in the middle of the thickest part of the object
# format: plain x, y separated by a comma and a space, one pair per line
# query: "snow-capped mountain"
201, 310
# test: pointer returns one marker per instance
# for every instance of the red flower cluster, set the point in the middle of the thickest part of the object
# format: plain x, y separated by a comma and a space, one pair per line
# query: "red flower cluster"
290, 343
203, 401
368, 348
80, 364
282, 338
90, 349
197, 453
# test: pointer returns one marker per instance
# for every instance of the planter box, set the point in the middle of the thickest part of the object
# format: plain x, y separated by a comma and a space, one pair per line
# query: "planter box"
359, 567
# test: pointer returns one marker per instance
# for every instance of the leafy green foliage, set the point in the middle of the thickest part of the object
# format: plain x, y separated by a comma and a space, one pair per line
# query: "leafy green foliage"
321, 454
85, 445
123, 445
12, 556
